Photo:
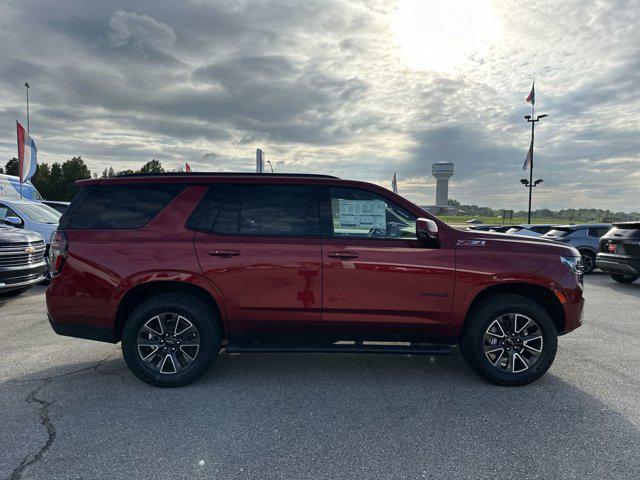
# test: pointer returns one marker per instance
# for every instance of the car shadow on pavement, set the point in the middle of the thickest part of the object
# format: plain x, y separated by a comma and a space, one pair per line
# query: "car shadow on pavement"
326, 416
603, 279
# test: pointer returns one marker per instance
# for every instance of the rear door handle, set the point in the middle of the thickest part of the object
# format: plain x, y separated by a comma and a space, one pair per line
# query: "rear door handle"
343, 255
224, 253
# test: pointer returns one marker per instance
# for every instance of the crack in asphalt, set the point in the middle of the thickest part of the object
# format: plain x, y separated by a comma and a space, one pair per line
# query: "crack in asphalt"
53, 377
45, 420
112, 372
44, 414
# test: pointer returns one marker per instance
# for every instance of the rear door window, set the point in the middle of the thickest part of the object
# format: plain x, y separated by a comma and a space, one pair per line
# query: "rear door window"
263, 210
121, 206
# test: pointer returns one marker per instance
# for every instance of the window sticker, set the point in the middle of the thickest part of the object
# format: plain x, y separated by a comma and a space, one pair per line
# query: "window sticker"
362, 214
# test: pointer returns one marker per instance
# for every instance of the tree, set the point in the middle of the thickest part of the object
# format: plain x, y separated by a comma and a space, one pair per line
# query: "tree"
72, 170
11, 168
42, 181
153, 166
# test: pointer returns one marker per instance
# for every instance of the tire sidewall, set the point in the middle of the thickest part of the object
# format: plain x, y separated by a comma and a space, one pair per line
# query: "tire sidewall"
624, 279
198, 313
472, 344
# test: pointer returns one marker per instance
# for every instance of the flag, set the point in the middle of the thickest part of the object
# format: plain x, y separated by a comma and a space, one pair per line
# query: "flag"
394, 183
27, 154
532, 95
187, 168
529, 159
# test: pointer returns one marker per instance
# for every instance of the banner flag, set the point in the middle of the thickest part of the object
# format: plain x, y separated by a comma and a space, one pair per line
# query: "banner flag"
27, 154
531, 98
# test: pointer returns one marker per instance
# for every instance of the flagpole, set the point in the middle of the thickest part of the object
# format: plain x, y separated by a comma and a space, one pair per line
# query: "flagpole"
531, 164
27, 84
531, 119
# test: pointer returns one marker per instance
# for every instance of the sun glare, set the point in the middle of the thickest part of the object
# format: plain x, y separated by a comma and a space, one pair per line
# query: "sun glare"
443, 36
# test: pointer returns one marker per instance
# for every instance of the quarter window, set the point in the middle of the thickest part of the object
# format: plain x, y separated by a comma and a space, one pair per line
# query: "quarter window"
359, 213
122, 206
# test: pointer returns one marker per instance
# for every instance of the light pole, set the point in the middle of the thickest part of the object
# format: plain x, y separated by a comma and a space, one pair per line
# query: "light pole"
27, 84
530, 183
270, 166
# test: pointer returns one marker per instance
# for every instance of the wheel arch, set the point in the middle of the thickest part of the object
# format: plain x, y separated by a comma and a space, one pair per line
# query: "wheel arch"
542, 295
142, 292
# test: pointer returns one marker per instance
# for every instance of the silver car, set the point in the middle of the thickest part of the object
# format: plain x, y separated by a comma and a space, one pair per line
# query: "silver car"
585, 237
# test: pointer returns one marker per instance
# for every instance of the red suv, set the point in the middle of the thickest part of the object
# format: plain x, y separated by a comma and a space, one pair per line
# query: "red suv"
180, 266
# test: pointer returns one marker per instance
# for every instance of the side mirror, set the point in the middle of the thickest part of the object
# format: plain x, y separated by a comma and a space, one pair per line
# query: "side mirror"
426, 229
14, 221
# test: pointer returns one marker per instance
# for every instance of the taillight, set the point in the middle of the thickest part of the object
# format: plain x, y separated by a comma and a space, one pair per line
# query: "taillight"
57, 251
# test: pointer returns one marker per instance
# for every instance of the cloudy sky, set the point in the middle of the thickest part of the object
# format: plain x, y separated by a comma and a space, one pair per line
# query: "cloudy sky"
359, 89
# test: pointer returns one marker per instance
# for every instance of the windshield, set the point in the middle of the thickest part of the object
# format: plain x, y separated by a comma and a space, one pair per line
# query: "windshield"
39, 213
513, 230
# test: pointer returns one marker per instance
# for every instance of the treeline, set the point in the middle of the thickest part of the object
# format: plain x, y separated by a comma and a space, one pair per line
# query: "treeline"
571, 214
57, 182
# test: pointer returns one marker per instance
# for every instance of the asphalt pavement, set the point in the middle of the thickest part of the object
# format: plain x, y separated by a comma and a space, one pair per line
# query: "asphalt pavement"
70, 409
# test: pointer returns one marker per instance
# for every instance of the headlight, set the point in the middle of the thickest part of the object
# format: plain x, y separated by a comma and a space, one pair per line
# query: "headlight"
573, 263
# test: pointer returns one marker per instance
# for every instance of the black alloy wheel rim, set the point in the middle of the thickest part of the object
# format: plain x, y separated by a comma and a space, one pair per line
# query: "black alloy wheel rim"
513, 343
168, 343
587, 262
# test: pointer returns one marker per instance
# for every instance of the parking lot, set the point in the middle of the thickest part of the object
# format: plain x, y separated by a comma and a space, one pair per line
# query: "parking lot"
71, 409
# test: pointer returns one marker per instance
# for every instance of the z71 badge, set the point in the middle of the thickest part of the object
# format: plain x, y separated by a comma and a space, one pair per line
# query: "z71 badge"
470, 243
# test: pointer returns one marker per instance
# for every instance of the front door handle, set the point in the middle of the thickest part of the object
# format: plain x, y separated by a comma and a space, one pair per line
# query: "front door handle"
224, 253
343, 255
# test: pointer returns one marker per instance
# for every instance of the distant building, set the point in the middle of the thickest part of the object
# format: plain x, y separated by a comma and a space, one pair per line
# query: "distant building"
443, 171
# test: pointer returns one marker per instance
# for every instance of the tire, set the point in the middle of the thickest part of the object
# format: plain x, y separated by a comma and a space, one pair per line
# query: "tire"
623, 278
588, 260
159, 330
13, 293
481, 357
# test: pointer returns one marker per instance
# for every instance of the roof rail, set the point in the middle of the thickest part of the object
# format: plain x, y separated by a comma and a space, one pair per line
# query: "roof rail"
222, 174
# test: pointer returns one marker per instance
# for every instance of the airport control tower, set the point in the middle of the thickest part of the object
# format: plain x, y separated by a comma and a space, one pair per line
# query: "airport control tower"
443, 172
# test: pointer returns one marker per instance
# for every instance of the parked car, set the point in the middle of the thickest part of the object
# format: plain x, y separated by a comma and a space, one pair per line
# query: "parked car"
22, 260
479, 227
620, 252
29, 215
530, 229
56, 205
12, 189
177, 266
499, 228
584, 237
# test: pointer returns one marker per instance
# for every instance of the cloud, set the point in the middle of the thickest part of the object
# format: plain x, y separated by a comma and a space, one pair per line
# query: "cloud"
324, 86
129, 27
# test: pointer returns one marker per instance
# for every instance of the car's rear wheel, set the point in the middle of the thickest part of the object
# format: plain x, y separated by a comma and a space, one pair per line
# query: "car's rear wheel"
509, 340
588, 261
171, 340
624, 278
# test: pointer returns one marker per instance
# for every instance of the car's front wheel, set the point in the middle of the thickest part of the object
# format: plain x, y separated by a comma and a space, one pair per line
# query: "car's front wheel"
624, 278
509, 340
171, 340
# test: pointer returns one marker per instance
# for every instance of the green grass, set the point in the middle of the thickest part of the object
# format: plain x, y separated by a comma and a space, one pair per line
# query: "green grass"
462, 219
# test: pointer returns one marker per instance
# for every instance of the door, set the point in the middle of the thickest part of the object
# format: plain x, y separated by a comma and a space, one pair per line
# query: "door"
377, 276
259, 247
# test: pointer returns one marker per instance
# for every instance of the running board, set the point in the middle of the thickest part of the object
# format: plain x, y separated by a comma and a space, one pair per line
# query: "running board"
403, 349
